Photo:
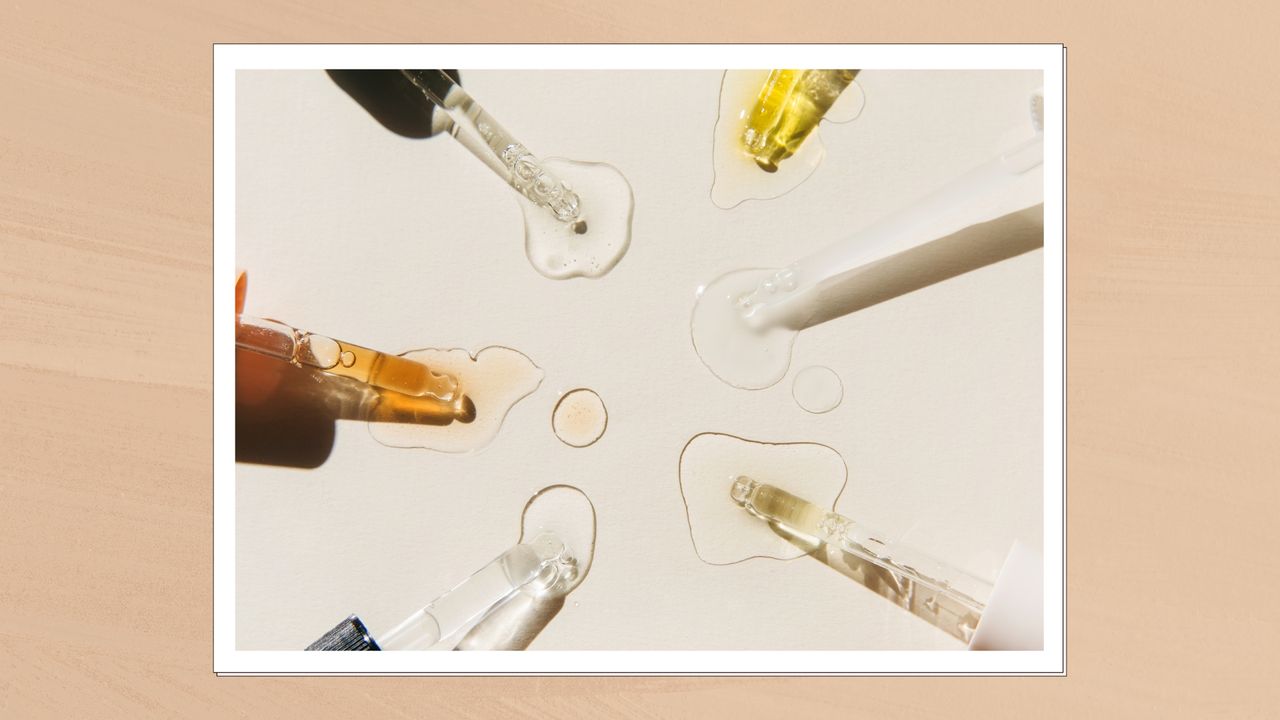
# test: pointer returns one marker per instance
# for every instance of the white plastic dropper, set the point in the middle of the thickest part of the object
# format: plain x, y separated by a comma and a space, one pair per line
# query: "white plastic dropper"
981, 194
745, 321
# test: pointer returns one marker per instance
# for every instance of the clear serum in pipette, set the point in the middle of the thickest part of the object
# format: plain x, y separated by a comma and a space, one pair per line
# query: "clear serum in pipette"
577, 215
551, 559
506, 603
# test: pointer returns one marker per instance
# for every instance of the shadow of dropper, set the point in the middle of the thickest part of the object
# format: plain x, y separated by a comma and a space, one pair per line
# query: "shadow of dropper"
393, 100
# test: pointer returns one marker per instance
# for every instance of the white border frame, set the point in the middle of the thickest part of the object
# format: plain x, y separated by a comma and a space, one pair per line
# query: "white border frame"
230, 58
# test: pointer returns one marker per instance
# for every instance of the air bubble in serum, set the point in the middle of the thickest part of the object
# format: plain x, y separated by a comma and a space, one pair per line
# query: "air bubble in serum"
494, 380
591, 245
579, 418
817, 389
711, 463
765, 115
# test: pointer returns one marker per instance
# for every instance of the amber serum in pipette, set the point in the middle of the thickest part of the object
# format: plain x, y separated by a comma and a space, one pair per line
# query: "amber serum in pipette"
399, 381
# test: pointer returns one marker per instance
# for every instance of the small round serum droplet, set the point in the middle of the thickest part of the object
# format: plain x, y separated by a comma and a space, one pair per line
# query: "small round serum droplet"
579, 419
817, 389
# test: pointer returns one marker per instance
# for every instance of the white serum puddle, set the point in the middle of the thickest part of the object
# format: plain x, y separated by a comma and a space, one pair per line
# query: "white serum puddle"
722, 532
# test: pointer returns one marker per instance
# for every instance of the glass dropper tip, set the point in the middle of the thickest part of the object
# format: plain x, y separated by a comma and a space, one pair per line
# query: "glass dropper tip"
742, 488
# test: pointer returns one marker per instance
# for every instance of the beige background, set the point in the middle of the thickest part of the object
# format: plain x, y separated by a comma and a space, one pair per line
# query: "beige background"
104, 319
352, 231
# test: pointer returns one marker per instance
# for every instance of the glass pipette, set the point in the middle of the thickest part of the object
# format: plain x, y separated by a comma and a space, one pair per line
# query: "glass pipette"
946, 597
505, 604
476, 129
542, 562
790, 106
405, 391
337, 357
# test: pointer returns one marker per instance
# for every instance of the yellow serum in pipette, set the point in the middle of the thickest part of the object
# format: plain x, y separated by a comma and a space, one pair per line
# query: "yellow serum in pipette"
766, 142
394, 407
790, 105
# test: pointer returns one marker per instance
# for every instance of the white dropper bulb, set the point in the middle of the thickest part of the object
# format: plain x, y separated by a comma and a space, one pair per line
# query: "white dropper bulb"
745, 322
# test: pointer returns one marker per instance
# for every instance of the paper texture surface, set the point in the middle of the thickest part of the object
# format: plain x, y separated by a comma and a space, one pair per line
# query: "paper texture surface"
395, 244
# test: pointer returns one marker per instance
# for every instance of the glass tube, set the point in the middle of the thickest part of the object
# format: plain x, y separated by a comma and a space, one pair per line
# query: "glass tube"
480, 133
542, 561
336, 357
946, 597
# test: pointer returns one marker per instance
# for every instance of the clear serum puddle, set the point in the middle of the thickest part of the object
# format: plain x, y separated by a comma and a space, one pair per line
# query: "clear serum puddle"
592, 245
765, 142
579, 418
711, 463
494, 380
817, 389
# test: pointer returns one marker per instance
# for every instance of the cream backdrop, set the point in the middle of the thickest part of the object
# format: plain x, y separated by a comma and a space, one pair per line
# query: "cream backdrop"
349, 230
